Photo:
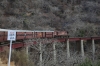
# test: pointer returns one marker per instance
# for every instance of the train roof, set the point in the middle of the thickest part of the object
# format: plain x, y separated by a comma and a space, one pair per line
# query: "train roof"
27, 30
43, 31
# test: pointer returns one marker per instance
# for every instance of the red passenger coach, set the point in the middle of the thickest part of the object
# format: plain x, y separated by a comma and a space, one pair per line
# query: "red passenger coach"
5, 36
44, 34
1, 36
37, 34
49, 34
29, 35
20, 35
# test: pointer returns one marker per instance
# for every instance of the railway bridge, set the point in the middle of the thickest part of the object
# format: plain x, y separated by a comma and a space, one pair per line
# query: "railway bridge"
22, 35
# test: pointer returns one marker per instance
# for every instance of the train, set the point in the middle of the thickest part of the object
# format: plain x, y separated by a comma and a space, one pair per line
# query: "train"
30, 34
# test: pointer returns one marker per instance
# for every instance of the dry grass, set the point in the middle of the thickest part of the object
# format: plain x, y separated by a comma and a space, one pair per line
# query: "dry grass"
18, 58
21, 58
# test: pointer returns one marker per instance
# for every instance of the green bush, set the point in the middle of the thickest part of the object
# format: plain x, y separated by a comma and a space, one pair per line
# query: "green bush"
87, 62
98, 63
81, 33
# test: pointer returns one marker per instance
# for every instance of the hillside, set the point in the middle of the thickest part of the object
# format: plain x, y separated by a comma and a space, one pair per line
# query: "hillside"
79, 17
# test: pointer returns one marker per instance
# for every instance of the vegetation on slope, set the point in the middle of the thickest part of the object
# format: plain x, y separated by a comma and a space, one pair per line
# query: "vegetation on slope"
69, 15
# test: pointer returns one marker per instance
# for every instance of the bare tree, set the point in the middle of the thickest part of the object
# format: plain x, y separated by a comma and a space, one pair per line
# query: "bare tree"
48, 56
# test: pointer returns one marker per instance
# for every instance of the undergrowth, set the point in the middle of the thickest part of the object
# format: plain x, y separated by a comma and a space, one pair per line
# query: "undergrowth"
88, 62
20, 58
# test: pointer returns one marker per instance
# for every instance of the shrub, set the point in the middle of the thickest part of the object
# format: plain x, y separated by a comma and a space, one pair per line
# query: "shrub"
98, 63
87, 62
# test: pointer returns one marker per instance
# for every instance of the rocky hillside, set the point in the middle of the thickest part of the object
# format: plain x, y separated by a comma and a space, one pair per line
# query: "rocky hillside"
79, 17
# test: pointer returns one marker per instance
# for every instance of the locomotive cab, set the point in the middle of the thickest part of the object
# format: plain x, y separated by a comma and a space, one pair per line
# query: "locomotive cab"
61, 34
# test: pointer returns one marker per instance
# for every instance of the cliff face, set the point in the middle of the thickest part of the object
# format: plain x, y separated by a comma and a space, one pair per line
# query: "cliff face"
79, 17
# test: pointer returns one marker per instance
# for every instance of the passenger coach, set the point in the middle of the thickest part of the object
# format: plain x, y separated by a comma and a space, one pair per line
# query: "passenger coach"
29, 34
